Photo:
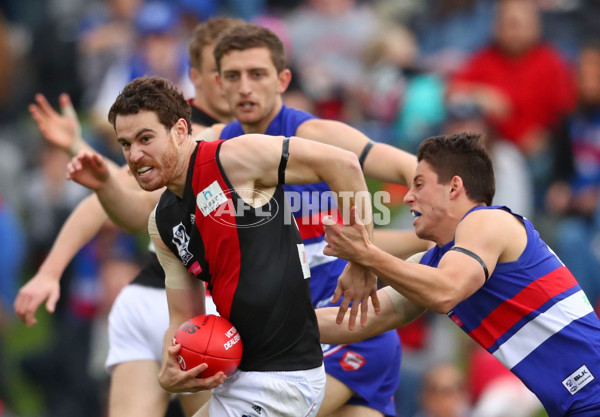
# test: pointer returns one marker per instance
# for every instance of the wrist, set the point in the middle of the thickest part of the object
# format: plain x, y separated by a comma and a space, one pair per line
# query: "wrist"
76, 146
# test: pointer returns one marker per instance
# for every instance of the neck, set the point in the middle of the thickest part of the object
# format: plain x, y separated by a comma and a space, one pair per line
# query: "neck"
454, 218
177, 184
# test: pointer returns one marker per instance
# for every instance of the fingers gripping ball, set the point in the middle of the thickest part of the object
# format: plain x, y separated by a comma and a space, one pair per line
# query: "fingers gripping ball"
212, 340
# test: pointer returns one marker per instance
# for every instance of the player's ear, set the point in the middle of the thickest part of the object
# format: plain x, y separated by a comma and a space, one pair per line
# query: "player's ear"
285, 77
194, 75
180, 129
456, 185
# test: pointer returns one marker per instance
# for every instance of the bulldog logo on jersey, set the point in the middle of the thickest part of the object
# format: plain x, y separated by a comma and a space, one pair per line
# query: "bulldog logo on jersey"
352, 361
181, 239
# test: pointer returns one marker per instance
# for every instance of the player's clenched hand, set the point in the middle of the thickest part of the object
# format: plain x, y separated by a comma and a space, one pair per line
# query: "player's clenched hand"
88, 169
42, 287
173, 379
356, 284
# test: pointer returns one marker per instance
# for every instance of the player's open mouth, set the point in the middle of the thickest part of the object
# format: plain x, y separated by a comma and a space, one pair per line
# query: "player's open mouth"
247, 105
415, 213
142, 172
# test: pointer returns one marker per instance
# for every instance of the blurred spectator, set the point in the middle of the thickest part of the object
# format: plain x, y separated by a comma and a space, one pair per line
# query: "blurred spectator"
397, 93
444, 393
106, 36
514, 185
522, 84
576, 188
160, 50
49, 199
12, 256
441, 29
429, 340
328, 40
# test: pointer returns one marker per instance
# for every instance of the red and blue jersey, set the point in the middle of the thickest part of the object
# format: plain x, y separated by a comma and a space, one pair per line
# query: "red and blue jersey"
533, 316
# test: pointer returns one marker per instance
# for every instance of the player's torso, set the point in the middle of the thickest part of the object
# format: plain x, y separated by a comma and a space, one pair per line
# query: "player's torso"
251, 257
532, 313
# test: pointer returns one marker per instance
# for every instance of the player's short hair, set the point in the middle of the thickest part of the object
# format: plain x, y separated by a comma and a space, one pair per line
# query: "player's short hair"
464, 155
155, 94
247, 36
205, 34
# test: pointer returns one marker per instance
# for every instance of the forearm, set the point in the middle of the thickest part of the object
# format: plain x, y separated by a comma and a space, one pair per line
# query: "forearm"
390, 164
400, 243
81, 226
125, 205
421, 284
389, 318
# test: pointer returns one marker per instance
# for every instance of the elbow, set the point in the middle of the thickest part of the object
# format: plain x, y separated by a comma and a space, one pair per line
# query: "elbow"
442, 304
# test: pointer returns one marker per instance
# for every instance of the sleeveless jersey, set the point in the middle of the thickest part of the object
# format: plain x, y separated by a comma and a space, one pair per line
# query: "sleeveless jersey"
309, 204
369, 368
532, 315
252, 260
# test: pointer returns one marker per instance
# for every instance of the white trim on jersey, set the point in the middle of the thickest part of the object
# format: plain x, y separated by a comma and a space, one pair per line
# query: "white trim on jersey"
540, 329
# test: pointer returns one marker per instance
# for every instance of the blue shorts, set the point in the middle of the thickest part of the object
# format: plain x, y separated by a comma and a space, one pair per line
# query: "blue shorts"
370, 368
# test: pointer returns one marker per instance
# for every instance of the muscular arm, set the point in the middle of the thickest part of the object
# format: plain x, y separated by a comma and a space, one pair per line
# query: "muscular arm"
185, 297
252, 162
400, 243
127, 205
383, 162
494, 235
81, 226
396, 311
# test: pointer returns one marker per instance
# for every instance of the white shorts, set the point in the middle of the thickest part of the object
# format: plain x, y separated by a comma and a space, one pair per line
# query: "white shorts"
269, 394
137, 323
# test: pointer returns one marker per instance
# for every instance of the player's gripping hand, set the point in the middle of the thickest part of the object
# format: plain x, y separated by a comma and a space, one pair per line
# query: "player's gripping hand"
42, 287
173, 379
357, 283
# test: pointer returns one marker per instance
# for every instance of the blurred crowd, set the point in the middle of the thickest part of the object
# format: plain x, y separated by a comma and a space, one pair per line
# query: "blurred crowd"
525, 73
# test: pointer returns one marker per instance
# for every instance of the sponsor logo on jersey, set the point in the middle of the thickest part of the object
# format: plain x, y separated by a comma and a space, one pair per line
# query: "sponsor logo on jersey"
578, 379
181, 239
257, 408
210, 198
352, 361
233, 336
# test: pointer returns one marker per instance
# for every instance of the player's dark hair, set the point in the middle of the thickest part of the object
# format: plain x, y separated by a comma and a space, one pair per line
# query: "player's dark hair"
248, 36
154, 94
464, 155
207, 33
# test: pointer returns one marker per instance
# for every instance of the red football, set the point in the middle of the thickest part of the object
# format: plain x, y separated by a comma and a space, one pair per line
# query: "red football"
209, 339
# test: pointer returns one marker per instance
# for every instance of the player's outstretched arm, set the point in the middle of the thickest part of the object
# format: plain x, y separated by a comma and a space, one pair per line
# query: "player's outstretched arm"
83, 224
380, 161
127, 205
396, 311
400, 243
